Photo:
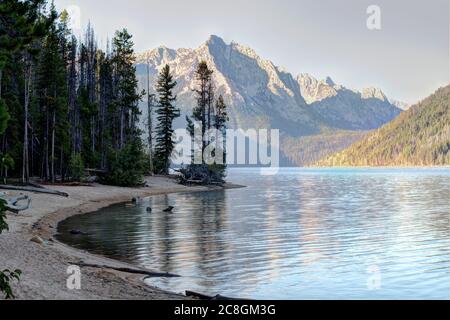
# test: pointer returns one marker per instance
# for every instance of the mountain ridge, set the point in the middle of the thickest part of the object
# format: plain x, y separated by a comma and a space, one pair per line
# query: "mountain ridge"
260, 94
420, 136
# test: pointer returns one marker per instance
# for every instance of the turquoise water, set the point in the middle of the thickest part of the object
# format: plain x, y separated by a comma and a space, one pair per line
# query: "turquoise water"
300, 234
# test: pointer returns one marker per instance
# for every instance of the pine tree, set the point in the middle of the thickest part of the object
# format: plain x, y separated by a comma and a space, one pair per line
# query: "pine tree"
52, 92
20, 24
105, 88
220, 122
125, 82
74, 114
210, 114
202, 113
87, 112
150, 102
166, 113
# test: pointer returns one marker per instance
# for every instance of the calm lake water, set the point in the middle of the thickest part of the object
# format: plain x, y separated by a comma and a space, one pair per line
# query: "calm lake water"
301, 234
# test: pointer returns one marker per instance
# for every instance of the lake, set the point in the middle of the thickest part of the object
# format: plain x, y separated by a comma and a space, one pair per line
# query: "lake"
300, 234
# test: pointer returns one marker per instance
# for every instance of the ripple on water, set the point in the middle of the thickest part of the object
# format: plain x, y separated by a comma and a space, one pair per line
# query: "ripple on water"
302, 234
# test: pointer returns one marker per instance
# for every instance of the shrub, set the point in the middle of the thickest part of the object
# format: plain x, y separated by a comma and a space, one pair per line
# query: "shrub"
6, 163
204, 174
76, 167
126, 166
6, 276
3, 224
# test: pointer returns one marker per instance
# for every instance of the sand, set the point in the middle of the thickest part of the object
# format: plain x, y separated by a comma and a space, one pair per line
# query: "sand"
44, 266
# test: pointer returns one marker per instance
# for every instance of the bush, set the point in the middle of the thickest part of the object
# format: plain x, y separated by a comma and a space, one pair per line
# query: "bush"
126, 166
6, 276
204, 174
4, 116
6, 163
3, 224
76, 167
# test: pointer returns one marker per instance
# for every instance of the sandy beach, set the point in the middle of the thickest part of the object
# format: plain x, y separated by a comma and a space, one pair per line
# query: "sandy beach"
44, 265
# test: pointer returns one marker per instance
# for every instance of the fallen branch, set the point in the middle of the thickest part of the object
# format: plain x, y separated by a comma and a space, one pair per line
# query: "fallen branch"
129, 270
34, 189
96, 171
36, 185
195, 181
11, 203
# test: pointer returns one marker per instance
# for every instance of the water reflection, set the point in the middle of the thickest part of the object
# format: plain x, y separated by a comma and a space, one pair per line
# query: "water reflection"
300, 234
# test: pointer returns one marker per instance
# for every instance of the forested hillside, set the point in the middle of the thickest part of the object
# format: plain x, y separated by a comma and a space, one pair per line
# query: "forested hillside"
418, 137
69, 108
307, 150
69, 104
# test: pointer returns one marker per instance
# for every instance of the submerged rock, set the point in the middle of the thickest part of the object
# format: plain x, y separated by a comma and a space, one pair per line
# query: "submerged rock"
136, 199
78, 232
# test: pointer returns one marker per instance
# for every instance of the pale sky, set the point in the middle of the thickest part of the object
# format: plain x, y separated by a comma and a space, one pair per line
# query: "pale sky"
408, 58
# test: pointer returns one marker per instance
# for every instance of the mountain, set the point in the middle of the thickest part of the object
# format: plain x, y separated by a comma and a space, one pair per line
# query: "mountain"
418, 137
400, 104
344, 108
260, 94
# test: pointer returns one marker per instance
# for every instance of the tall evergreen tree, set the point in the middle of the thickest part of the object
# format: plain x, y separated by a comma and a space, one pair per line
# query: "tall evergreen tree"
105, 91
203, 112
210, 114
166, 112
52, 94
20, 24
125, 81
220, 123
150, 102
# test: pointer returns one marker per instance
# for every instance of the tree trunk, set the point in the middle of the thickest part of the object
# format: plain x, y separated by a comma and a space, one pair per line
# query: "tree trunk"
32, 148
46, 160
122, 124
61, 161
53, 146
150, 121
33, 189
92, 136
25, 165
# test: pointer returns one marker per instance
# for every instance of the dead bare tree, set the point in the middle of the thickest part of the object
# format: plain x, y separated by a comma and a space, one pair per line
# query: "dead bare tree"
150, 100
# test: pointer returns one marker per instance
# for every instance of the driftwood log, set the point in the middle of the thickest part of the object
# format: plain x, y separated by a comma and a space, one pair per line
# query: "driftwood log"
12, 203
34, 184
33, 189
128, 270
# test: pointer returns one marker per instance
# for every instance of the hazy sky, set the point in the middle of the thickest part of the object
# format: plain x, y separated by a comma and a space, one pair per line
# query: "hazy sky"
408, 58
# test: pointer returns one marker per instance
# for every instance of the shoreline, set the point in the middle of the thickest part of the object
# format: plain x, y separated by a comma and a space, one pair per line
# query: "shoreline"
44, 265
377, 167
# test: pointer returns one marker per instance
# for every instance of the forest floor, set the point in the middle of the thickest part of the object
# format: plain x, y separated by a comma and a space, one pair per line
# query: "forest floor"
45, 265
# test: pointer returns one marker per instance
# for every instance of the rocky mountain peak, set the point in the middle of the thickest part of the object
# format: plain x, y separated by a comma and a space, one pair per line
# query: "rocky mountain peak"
330, 82
372, 92
314, 90
214, 40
